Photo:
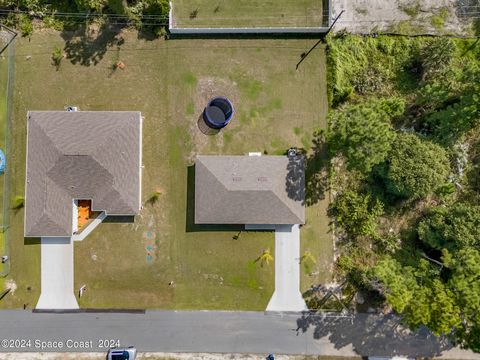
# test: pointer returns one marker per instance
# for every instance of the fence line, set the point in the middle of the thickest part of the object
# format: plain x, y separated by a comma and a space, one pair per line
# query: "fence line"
8, 131
174, 30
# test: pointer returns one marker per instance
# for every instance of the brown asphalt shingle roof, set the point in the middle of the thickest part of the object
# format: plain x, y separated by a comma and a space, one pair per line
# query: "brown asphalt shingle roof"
249, 190
80, 155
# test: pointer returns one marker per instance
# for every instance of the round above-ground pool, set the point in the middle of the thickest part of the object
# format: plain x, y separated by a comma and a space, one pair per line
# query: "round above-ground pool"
218, 112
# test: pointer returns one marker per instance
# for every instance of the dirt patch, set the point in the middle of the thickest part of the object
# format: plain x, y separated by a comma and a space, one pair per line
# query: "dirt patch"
208, 88
12, 285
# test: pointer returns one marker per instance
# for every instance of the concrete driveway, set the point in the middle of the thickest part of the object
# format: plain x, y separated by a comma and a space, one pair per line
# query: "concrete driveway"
287, 296
57, 274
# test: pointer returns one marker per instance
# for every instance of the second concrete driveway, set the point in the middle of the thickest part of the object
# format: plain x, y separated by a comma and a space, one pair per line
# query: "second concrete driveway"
57, 274
287, 296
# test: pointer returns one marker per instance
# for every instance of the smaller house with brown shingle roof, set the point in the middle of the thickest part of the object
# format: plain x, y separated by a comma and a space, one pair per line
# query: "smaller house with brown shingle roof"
249, 190
88, 156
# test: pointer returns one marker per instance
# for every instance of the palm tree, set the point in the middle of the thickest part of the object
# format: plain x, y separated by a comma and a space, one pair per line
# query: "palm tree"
265, 258
154, 197
307, 255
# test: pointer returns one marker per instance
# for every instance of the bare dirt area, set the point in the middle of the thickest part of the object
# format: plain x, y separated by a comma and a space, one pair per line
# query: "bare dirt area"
208, 88
436, 17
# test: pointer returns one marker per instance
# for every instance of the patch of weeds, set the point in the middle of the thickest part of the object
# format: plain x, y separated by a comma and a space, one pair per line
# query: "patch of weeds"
193, 14
476, 27
362, 11
412, 9
403, 27
250, 87
25, 25
57, 56
244, 118
438, 21
276, 104
18, 202
306, 141
279, 146
178, 141
52, 23
190, 79
297, 131
252, 283
227, 137
190, 108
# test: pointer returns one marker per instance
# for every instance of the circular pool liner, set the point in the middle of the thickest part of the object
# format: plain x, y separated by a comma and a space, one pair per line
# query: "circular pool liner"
218, 112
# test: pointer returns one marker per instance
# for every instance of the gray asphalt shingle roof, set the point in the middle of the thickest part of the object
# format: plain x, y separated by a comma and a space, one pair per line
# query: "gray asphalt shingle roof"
249, 190
80, 155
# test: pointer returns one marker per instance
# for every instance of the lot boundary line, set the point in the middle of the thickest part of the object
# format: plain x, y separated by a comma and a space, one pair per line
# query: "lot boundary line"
175, 30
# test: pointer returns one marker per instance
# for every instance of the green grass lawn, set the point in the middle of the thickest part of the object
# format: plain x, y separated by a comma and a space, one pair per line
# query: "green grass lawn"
249, 13
170, 82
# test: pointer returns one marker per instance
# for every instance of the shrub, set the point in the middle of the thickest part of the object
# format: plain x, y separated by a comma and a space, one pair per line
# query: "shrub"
18, 202
356, 213
363, 132
57, 56
25, 25
414, 168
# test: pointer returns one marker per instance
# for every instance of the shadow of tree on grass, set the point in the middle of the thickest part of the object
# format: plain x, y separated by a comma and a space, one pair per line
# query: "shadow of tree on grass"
88, 44
312, 168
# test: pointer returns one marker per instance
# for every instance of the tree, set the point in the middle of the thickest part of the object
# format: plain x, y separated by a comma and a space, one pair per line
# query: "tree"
86, 5
436, 57
464, 281
461, 116
414, 167
363, 132
420, 295
452, 227
265, 258
399, 282
356, 213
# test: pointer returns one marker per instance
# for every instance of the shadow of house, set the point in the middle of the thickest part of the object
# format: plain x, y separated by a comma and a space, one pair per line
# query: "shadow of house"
373, 335
32, 241
88, 45
190, 213
119, 219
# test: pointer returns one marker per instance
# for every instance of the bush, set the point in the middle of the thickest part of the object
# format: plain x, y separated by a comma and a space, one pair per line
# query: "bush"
361, 65
18, 202
451, 228
25, 25
356, 213
57, 57
436, 57
363, 132
414, 168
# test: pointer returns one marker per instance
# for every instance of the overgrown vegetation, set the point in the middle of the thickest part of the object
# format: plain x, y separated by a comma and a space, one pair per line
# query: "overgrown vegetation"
404, 135
150, 15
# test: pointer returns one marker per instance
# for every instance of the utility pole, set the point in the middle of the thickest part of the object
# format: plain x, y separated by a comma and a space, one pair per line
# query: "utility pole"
304, 55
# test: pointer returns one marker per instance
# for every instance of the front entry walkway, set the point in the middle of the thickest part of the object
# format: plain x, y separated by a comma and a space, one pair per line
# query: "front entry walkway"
57, 274
287, 296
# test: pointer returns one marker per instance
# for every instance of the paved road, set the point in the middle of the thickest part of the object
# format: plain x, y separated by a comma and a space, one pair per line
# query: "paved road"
221, 332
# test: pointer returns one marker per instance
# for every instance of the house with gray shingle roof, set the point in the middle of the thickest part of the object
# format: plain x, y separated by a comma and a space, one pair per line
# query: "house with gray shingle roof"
89, 155
249, 190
